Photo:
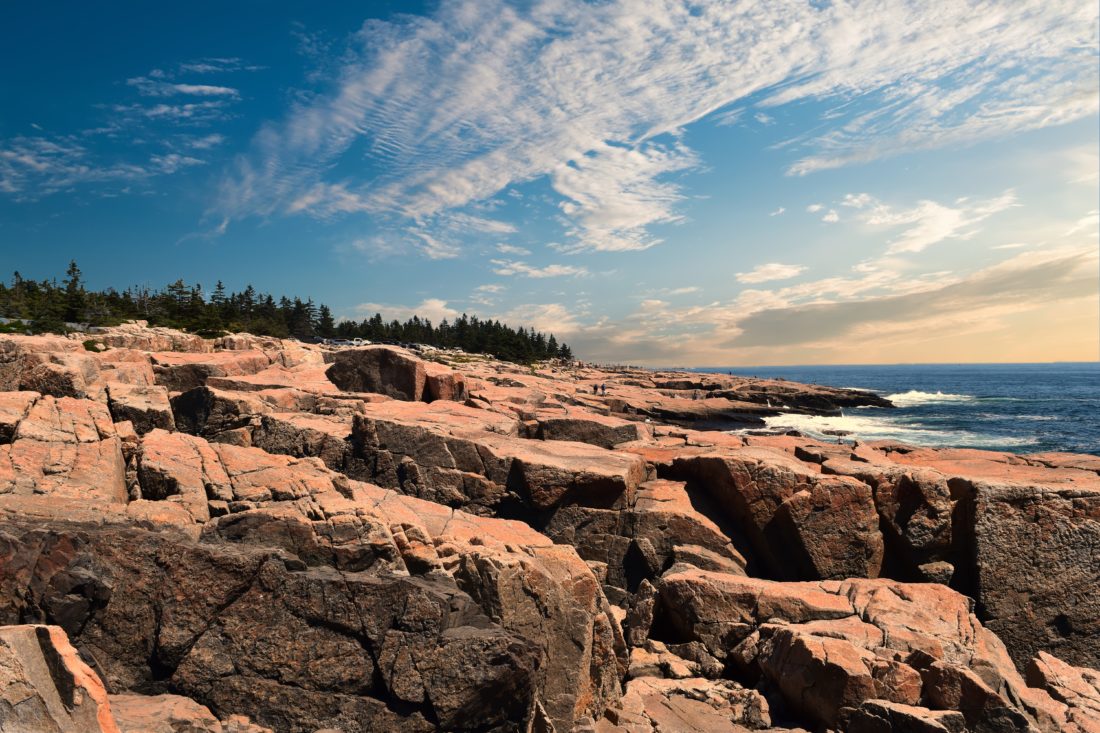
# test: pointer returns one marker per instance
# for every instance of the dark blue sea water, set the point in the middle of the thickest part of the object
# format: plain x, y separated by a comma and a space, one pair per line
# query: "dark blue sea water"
1023, 408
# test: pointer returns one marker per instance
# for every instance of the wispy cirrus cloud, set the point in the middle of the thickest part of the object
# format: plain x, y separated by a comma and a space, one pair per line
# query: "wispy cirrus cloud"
456, 107
161, 88
928, 222
522, 269
161, 138
770, 271
217, 65
33, 167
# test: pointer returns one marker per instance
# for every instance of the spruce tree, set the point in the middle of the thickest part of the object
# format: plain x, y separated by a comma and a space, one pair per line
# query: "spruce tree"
74, 294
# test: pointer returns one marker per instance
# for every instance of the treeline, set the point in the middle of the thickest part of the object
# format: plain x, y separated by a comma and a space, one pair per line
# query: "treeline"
468, 333
47, 306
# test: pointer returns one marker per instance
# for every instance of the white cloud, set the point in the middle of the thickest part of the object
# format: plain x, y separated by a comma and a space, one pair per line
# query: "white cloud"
509, 249
814, 208
190, 113
483, 94
462, 221
730, 118
513, 267
485, 294
159, 88
857, 200
173, 162
831, 217
207, 141
777, 212
434, 309
217, 65
1026, 281
612, 195
548, 318
930, 222
32, 167
770, 271
435, 249
1084, 162
1087, 223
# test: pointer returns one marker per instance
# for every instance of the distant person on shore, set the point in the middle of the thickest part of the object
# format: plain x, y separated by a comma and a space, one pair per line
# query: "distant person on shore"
595, 389
603, 389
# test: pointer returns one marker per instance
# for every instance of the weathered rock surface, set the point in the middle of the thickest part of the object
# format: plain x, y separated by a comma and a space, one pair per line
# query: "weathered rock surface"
761, 581
585, 427
653, 705
45, 686
64, 447
501, 608
173, 714
147, 408
180, 372
829, 648
1077, 687
395, 373
798, 523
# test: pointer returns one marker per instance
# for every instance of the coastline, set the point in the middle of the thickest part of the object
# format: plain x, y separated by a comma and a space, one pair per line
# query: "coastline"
380, 539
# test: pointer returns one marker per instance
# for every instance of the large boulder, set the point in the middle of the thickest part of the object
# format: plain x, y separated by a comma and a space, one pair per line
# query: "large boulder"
1036, 560
652, 528
47, 364
147, 407
180, 372
45, 687
798, 523
13, 408
395, 373
585, 427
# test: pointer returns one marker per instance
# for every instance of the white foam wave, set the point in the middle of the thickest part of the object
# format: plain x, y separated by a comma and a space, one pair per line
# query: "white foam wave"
916, 397
849, 427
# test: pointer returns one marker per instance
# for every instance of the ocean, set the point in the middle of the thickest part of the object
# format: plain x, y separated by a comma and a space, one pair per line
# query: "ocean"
1021, 408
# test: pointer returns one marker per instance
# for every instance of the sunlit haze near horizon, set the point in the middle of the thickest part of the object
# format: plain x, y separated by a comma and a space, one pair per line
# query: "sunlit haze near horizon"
655, 182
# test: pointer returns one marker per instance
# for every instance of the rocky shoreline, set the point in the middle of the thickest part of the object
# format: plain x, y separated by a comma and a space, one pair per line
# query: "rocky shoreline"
250, 534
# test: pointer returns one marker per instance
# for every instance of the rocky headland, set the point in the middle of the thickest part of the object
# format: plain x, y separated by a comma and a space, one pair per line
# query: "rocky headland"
248, 534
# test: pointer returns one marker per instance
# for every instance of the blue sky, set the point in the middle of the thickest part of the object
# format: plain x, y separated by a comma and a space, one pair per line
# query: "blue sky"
654, 181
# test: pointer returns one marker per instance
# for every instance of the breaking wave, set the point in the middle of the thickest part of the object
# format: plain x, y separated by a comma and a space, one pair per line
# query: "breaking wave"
916, 397
852, 427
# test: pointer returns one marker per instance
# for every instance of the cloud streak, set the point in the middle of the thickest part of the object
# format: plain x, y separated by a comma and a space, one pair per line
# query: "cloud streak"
930, 222
770, 271
522, 269
457, 107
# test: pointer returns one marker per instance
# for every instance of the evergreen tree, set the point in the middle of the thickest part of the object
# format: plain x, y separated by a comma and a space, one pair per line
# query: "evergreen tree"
74, 294
326, 326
